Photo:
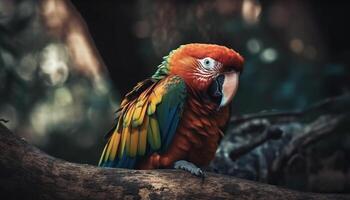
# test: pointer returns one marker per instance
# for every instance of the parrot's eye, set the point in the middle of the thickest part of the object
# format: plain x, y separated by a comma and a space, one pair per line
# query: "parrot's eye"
207, 63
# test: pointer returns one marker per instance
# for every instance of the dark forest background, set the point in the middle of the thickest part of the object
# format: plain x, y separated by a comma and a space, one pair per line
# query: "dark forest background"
61, 97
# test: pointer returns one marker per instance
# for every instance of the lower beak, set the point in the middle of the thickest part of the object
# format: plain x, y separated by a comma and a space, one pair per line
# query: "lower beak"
229, 87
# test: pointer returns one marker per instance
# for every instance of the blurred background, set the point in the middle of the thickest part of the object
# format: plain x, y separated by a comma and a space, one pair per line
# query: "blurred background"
65, 65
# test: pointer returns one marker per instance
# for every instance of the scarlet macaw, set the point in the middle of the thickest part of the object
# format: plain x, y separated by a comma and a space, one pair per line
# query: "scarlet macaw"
176, 117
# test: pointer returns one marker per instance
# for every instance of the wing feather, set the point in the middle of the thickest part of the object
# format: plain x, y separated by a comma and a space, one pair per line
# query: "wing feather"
143, 137
115, 146
134, 140
154, 132
110, 144
124, 137
147, 122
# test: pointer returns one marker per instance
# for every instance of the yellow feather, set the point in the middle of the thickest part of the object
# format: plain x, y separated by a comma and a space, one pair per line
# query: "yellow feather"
110, 143
143, 137
112, 147
137, 112
157, 94
125, 133
115, 145
153, 124
128, 115
134, 139
127, 144
138, 121
151, 108
140, 107
103, 154
155, 98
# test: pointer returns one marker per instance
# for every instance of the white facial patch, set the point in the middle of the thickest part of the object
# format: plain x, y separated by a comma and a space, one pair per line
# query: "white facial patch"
208, 63
207, 68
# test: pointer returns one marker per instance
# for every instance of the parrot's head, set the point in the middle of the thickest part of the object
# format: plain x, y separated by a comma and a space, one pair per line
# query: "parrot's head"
207, 69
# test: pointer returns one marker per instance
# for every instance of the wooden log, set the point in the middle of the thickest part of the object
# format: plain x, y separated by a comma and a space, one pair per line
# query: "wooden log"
28, 173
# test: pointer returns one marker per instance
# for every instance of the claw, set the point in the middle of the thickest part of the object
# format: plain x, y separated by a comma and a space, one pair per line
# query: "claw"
190, 167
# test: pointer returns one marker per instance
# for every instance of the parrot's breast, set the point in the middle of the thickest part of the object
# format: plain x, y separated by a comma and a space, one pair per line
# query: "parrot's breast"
199, 132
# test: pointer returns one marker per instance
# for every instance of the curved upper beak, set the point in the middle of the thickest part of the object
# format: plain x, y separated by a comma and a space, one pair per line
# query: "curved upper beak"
229, 87
223, 88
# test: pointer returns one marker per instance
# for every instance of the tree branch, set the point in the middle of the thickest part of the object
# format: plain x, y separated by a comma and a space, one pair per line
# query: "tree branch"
26, 172
333, 104
334, 109
270, 132
4, 120
322, 126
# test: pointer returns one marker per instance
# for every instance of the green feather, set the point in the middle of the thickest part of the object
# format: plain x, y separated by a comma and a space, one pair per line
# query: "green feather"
164, 67
154, 133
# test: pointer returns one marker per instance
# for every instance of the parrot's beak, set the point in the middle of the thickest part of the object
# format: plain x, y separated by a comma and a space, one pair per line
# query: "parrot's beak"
224, 88
229, 87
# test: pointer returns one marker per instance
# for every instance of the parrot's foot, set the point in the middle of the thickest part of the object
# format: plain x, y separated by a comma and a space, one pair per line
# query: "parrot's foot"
190, 167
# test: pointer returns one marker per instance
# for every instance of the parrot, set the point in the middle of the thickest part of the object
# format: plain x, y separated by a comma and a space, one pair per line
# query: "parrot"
176, 117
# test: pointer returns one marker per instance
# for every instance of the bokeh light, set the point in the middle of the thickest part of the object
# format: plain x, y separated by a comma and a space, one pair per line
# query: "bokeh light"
254, 46
27, 67
251, 10
296, 45
53, 64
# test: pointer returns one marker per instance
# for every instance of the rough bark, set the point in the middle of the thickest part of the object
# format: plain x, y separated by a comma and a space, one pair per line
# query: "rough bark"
247, 151
270, 132
26, 172
323, 126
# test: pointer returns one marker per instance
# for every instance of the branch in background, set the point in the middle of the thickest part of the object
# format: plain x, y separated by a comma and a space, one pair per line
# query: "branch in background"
268, 162
270, 132
323, 126
329, 104
4, 120
246, 123
28, 173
